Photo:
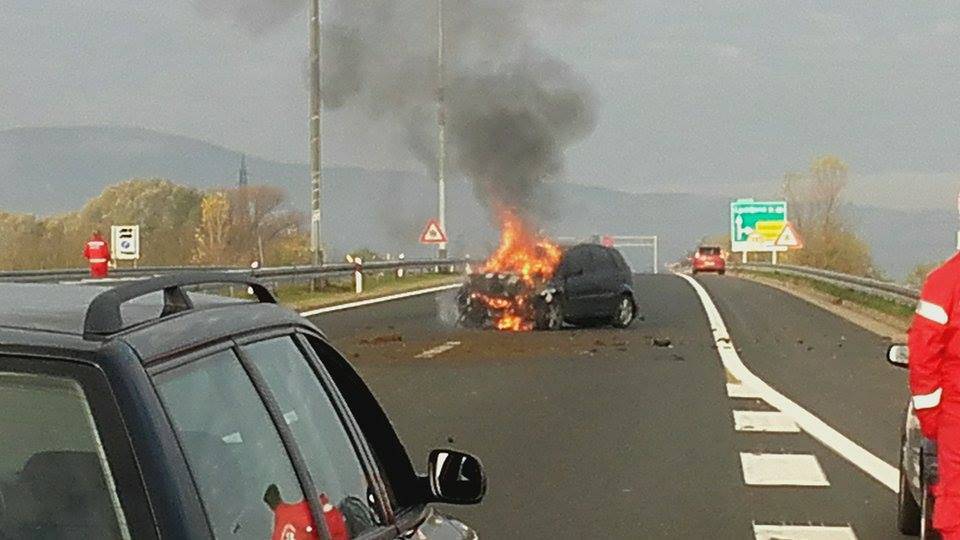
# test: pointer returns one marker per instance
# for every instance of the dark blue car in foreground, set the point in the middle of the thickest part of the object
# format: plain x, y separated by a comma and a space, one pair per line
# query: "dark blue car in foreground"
148, 411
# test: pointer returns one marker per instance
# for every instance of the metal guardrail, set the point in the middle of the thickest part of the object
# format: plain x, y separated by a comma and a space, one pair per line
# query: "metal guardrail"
270, 274
883, 289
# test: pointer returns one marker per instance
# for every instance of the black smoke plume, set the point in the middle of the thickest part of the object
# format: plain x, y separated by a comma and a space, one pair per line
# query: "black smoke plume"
511, 109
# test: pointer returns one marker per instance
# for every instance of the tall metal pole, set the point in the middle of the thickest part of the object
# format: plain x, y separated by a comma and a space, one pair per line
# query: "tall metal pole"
316, 126
441, 135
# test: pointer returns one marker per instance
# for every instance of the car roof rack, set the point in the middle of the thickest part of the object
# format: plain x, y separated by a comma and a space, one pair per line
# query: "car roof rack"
103, 316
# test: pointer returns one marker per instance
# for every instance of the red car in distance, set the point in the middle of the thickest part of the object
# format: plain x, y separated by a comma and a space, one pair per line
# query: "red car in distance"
709, 259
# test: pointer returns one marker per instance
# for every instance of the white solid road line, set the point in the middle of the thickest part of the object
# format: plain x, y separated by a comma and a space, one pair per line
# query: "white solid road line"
764, 421
802, 532
379, 299
742, 391
782, 470
877, 468
439, 349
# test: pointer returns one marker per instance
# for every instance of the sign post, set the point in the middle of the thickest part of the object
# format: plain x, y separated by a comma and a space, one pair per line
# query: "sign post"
756, 226
958, 228
125, 242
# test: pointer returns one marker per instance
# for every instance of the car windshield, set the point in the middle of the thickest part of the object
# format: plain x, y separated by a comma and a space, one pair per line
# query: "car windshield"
709, 251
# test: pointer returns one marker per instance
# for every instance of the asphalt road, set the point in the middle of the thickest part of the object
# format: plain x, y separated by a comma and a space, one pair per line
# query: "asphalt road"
599, 433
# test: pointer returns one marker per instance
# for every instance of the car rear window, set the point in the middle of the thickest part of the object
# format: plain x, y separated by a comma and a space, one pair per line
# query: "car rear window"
54, 478
709, 251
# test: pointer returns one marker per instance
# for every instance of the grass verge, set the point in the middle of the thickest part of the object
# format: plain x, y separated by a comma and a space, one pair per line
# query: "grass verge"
842, 295
300, 298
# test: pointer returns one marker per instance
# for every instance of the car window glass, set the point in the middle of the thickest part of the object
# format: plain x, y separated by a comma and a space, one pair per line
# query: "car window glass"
330, 456
597, 260
709, 251
576, 260
609, 261
246, 482
54, 478
619, 261
567, 265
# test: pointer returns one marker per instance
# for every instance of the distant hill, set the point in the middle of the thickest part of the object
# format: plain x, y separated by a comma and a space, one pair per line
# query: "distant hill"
51, 170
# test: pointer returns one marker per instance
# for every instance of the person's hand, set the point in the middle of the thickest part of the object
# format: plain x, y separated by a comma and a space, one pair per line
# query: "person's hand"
929, 421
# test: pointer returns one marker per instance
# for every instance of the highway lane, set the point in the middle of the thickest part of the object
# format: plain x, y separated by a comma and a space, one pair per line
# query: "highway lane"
832, 368
597, 432
584, 433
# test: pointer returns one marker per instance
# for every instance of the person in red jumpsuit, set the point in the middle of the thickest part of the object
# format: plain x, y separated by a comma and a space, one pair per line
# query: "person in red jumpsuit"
934, 345
97, 253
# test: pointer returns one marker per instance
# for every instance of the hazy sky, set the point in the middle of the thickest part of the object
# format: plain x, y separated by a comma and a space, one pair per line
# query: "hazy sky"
688, 98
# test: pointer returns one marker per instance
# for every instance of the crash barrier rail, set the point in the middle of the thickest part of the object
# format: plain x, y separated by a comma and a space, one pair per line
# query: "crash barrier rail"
273, 276
875, 287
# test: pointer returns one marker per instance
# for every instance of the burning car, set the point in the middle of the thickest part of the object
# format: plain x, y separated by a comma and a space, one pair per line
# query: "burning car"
531, 283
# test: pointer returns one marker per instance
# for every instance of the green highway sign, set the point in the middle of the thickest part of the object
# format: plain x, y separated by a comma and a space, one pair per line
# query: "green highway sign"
756, 226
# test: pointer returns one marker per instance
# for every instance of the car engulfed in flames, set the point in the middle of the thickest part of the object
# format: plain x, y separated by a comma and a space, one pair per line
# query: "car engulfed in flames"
512, 290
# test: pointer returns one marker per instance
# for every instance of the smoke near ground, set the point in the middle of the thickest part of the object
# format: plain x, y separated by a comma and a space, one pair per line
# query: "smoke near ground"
255, 15
511, 109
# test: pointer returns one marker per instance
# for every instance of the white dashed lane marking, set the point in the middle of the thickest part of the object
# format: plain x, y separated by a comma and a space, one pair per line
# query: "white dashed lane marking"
439, 349
802, 532
782, 470
764, 421
742, 391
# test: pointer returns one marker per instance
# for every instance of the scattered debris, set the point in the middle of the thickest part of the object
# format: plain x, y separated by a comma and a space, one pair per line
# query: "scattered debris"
678, 358
809, 348
662, 342
800, 341
381, 339
450, 440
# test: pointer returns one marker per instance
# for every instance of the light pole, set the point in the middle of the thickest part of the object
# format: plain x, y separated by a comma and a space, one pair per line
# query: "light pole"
441, 136
316, 126
958, 228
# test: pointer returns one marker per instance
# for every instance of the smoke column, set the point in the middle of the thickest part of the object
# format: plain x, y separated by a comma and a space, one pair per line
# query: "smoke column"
511, 109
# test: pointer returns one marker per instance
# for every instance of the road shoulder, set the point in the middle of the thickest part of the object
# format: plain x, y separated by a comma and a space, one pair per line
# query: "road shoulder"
878, 323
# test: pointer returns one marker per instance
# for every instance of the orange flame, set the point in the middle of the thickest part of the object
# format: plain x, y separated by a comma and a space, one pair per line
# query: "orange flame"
528, 255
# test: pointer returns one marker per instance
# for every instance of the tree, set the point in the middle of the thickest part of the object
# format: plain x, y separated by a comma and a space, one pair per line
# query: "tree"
918, 275
815, 202
214, 229
168, 215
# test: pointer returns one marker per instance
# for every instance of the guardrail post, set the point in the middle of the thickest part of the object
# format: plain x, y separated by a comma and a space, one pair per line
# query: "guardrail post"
400, 268
358, 275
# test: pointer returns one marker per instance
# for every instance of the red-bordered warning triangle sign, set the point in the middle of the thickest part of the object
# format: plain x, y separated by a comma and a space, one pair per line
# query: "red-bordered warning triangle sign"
433, 233
789, 237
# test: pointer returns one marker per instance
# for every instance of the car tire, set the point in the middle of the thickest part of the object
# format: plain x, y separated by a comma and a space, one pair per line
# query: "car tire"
908, 511
550, 316
721, 272
927, 532
626, 312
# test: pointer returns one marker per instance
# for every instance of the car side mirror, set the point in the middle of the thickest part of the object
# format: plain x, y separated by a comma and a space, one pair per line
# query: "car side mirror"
899, 355
456, 478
